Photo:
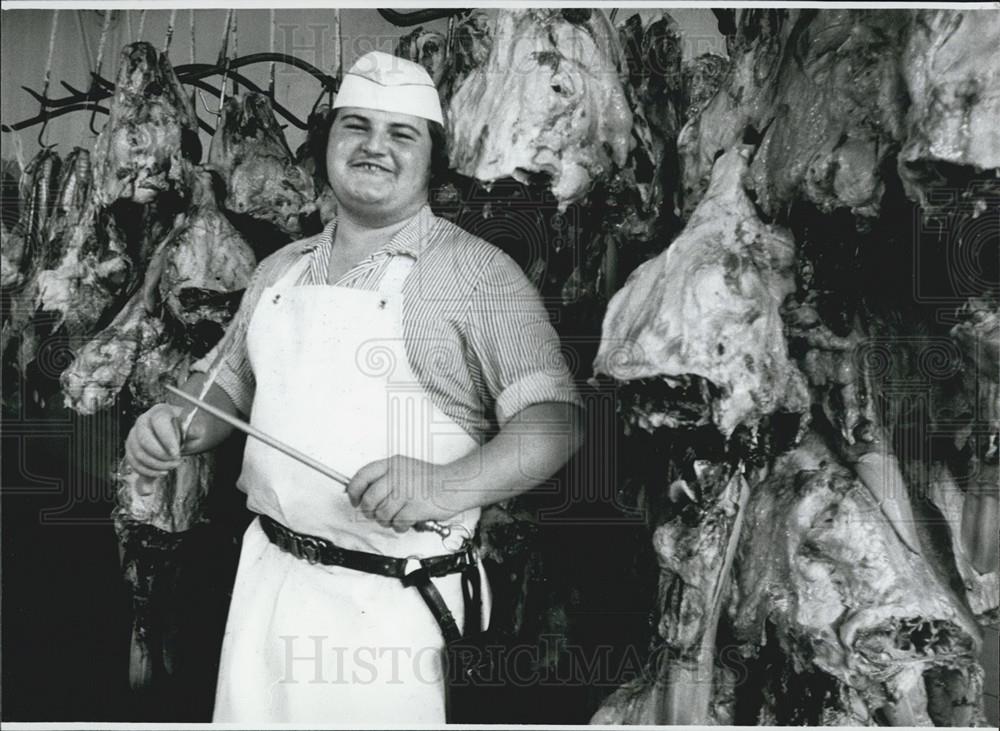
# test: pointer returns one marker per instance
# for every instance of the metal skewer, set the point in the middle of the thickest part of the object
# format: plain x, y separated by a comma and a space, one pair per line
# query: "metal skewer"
425, 525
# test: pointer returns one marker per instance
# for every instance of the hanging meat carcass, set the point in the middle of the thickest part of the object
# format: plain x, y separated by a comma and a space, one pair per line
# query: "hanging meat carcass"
152, 519
702, 78
151, 132
471, 43
426, 47
697, 335
707, 310
820, 91
262, 180
953, 97
143, 151
103, 365
837, 622
978, 337
831, 94
24, 250
37, 192
980, 583
842, 594
94, 270
165, 364
655, 79
964, 488
695, 551
653, 56
311, 158
637, 202
51, 245
74, 192
547, 100
207, 267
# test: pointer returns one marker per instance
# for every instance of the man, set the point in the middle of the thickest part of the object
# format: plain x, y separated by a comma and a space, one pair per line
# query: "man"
391, 347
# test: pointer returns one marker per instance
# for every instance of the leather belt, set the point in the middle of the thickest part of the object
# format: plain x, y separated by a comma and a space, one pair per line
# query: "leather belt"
319, 550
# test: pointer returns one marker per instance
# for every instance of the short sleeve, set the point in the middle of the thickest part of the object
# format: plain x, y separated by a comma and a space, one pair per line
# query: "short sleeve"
508, 330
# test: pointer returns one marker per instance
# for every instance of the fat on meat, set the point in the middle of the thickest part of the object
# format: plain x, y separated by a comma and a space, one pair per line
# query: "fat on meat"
471, 44
844, 595
311, 158
702, 77
977, 335
176, 501
981, 588
152, 522
70, 206
708, 306
94, 269
165, 364
174, 504
820, 92
653, 57
207, 266
695, 549
75, 186
262, 180
104, 363
27, 248
548, 99
953, 82
37, 193
151, 134
426, 47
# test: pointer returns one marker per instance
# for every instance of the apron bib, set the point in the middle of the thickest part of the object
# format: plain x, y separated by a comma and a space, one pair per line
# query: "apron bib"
310, 643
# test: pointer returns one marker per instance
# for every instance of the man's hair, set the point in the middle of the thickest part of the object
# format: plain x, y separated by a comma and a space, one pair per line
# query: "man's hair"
439, 151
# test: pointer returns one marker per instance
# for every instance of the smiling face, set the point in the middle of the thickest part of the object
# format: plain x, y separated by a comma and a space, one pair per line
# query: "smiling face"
379, 164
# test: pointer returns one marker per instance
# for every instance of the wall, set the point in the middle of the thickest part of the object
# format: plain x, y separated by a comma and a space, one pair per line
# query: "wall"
305, 33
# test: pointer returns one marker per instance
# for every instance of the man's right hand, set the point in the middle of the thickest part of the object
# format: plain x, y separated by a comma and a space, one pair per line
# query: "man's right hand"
154, 447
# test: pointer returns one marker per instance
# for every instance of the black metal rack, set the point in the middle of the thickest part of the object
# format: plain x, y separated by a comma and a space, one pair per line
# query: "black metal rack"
194, 74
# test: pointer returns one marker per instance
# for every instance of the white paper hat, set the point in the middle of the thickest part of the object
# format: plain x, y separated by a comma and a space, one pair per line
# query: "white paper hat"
390, 84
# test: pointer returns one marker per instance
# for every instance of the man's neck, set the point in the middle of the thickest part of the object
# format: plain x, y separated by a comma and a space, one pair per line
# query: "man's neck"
361, 237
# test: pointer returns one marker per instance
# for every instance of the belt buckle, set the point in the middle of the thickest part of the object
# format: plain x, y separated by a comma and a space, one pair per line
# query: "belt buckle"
469, 556
291, 545
309, 549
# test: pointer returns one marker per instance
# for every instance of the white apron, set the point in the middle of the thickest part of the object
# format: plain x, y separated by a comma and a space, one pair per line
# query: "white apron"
307, 643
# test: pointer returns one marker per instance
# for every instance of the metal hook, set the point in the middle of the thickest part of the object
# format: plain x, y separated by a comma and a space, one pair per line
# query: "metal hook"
201, 97
44, 114
93, 114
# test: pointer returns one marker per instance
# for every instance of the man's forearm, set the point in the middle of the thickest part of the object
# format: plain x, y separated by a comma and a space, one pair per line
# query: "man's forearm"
532, 447
211, 432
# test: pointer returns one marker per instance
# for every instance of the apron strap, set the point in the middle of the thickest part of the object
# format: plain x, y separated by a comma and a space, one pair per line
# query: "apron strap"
294, 273
421, 579
396, 270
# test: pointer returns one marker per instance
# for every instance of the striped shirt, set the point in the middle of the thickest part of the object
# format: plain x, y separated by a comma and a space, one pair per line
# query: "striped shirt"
475, 331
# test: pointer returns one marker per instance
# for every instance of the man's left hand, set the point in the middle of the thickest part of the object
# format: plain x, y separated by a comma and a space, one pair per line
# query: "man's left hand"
398, 492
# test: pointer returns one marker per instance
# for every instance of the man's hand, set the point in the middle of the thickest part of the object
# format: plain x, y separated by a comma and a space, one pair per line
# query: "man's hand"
530, 448
153, 446
399, 491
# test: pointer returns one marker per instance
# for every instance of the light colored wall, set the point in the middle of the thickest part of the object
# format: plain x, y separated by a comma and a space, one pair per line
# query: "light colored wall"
306, 33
